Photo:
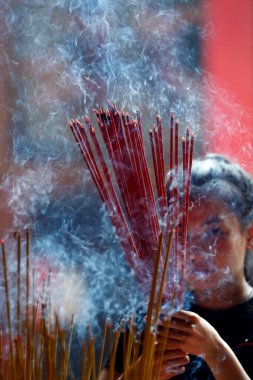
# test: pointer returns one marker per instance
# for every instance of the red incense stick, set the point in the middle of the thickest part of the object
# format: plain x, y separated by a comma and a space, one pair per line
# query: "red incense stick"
131, 203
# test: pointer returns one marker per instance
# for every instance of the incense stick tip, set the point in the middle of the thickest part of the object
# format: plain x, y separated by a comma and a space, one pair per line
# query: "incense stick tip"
80, 125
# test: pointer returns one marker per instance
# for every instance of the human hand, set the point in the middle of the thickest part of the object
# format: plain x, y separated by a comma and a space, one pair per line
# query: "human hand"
166, 364
169, 363
192, 334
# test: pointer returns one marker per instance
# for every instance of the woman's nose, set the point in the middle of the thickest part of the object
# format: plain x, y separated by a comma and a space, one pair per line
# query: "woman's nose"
200, 245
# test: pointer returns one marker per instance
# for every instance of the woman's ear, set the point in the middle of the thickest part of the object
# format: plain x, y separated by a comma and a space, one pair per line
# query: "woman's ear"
250, 238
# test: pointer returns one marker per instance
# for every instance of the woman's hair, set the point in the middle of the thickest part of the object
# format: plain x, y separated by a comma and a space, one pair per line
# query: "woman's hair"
217, 177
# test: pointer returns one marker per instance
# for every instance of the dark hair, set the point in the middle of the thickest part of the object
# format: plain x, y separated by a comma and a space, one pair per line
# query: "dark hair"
217, 177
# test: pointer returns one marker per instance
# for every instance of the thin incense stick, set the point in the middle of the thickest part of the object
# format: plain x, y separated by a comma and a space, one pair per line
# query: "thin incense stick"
69, 344
83, 362
101, 354
113, 356
8, 307
18, 237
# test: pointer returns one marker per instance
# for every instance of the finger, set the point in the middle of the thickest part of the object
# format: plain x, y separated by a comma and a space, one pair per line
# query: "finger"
177, 335
165, 325
187, 316
176, 362
162, 332
164, 318
174, 344
168, 373
181, 324
176, 325
173, 334
170, 354
179, 318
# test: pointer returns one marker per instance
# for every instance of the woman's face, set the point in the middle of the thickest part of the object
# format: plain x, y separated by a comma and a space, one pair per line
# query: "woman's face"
216, 246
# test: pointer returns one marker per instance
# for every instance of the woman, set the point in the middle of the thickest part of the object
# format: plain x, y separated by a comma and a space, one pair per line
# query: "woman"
215, 339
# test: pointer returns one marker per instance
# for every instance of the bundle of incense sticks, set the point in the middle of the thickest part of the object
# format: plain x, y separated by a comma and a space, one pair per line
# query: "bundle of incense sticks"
31, 347
37, 348
138, 209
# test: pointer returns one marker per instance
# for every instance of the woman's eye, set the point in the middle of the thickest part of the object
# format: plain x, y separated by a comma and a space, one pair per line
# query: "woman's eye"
211, 234
216, 231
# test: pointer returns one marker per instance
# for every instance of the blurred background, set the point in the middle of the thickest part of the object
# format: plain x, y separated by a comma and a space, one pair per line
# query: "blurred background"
59, 59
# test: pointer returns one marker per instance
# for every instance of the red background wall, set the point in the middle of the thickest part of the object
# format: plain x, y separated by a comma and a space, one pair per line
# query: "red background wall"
228, 61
